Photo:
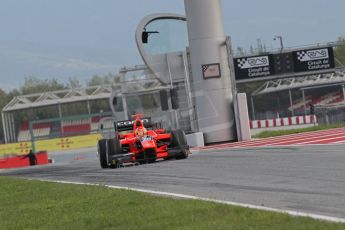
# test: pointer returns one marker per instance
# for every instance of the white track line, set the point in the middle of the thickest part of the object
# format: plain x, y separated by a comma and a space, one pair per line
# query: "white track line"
177, 195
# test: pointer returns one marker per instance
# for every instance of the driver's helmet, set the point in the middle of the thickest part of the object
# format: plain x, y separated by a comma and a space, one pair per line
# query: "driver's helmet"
141, 132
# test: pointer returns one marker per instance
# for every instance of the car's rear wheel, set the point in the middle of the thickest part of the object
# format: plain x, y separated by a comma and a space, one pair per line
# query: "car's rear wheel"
179, 141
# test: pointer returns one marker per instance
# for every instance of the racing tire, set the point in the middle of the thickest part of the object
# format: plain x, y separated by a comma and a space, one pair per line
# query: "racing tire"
179, 141
102, 153
113, 148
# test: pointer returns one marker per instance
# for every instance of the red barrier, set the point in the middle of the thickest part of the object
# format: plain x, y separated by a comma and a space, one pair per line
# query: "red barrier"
19, 161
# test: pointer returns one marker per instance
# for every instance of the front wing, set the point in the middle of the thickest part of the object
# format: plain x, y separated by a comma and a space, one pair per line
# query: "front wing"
131, 158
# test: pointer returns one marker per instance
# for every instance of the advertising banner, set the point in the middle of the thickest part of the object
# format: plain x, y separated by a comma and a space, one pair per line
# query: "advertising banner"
313, 60
253, 67
58, 144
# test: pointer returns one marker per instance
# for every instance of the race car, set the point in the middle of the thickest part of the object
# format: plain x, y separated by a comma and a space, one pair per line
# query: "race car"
141, 144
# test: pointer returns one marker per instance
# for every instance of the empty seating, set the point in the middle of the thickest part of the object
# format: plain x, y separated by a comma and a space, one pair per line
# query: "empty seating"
76, 129
95, 124
73, 127
39, 130
327, 99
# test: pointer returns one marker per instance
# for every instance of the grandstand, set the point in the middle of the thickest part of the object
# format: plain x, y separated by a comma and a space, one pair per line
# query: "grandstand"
62, 125
39, 131
331, 98
79, 111
71, 126
321, 90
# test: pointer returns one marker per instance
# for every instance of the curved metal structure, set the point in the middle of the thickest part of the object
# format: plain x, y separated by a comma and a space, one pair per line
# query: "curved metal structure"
142, 27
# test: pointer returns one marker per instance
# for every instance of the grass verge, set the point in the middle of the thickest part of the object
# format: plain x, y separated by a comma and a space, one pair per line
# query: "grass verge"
43, 205
275, 133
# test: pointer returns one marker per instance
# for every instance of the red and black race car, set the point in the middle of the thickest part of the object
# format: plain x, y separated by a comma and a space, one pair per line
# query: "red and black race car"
141, 144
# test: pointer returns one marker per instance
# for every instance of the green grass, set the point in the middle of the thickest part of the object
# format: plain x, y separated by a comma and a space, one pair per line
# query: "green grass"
43, 205
275, 133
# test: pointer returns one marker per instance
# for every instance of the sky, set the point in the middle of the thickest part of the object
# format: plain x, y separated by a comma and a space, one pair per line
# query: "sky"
65, 39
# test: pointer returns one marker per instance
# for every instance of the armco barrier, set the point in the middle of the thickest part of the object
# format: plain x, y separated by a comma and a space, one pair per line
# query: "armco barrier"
19, 161
58, 144
286, 121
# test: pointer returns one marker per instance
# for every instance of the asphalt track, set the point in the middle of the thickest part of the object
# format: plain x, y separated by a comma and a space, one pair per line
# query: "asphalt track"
307, 179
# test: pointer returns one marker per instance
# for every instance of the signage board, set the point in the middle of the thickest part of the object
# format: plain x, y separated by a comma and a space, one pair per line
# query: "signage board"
283, 63
254, 67
211, 71
313, 59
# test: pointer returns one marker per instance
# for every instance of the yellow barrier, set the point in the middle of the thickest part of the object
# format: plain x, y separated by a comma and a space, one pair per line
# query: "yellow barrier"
58, 144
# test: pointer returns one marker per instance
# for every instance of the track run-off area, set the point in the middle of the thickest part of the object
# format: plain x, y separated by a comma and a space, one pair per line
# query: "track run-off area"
299, 173
322, 137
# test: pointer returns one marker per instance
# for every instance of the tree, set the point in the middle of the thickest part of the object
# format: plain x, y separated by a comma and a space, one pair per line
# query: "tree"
251, 50
240, 51
35, 85
74, 83
108, 79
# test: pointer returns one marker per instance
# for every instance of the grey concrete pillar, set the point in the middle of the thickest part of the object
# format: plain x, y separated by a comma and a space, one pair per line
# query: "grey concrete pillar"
13, 128
253, 107
10, 128
189, 91
60, 111
213, 96
4, 127
291, 103
88, 107
242, 115
8, 125
124, 104
304, 102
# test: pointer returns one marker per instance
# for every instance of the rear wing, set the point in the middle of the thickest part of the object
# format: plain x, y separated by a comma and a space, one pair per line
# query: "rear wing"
129, 124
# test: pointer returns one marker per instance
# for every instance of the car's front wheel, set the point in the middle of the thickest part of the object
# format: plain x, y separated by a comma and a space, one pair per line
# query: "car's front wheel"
102, 153
113, 148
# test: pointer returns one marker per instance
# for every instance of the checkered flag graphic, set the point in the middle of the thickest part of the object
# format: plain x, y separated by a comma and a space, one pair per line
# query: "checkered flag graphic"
205, 68
301, 55
241, 62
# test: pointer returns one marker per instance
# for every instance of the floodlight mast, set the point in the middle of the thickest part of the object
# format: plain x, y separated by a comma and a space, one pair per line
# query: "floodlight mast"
280, 40
210, 70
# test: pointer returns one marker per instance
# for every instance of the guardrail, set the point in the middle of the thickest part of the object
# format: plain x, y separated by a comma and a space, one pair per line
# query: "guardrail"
284, 121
